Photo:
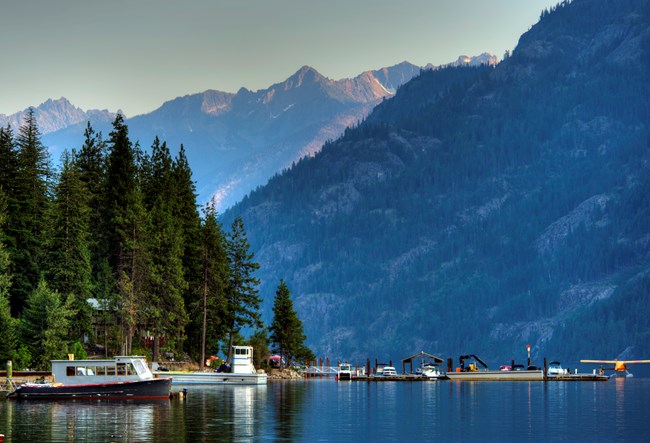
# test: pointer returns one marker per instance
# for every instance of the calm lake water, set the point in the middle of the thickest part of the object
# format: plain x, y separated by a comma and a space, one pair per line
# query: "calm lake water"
327, 411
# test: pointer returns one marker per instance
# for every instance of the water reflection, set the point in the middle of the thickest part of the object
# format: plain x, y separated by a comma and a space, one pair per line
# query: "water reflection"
325, 410
220, 413
288, 403
32, 421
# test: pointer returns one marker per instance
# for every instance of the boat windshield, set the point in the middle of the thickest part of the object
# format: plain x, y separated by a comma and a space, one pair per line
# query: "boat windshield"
140, 367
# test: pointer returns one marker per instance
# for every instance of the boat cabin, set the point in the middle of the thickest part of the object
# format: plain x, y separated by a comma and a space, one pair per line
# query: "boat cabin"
118, 369
242, 360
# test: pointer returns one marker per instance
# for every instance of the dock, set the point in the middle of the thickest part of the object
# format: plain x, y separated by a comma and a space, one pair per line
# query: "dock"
399, 377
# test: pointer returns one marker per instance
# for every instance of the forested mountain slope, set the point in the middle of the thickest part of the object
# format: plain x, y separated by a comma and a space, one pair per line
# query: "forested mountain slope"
481, 209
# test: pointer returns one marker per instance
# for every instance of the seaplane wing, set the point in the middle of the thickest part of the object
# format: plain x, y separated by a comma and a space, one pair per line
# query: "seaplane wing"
602, 362
613, 362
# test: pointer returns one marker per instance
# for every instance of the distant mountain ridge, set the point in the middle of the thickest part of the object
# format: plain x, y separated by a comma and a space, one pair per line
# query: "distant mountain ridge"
237, 141
54, 115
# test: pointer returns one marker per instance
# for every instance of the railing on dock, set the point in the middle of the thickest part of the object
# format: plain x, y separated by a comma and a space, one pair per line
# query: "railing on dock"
323, 368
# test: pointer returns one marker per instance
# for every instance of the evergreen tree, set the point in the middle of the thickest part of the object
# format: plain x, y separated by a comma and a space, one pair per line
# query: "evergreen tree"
243, 301
212, 308
44, 326
8, 160
126, 233
167, 310
68, 267
260, 343
8, 342
287, 336
189, 222
90, 161
28, 206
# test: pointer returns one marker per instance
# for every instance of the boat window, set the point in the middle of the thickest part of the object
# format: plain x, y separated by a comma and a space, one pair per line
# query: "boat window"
85, 371
69, 371
121, 369
100, 370
110, 370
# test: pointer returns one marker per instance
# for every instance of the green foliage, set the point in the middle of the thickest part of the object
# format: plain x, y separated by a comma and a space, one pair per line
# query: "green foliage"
242, 300
28, 200
79, 351
260, 343
120, 227
23, 358
68, 266
44, 326
287, 336
209, 306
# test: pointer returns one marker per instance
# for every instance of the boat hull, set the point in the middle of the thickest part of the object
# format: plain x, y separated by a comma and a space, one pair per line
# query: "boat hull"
154, 389
537, 375
214, 378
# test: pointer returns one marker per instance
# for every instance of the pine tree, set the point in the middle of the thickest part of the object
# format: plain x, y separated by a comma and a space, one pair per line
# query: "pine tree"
212, 306
28, 206
287, 336
189, 222
8, 160
68, 267
8, 342
44, 326
90, 161
243, 301
167, 309
126, 232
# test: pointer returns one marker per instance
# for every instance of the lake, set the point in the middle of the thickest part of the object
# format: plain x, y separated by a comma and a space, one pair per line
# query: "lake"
328, 411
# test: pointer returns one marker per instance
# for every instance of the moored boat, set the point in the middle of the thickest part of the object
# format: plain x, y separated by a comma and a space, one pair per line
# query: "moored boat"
242, 373
345, 372
430, 370
477, 370
120, 378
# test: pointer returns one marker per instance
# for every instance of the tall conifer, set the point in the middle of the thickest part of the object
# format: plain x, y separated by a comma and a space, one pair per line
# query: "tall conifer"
8, 342
68, 266
167, 314
287, 336
28, 211
243, 301
212, 308
90, 161
126, 233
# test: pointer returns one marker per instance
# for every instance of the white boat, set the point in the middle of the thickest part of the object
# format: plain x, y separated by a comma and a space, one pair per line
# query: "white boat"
555, 369
389, 371
430, 370
345, 372
242, 373
119, 378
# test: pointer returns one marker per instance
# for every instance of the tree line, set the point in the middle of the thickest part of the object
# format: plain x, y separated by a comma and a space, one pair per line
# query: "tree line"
111, 254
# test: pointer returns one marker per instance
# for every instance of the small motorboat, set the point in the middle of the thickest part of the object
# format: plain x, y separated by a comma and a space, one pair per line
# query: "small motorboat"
345, 372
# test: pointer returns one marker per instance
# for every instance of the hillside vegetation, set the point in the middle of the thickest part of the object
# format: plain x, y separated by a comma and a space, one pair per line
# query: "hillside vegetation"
481, 209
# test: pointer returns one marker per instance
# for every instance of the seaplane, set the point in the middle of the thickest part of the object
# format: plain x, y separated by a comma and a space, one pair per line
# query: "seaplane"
619, 368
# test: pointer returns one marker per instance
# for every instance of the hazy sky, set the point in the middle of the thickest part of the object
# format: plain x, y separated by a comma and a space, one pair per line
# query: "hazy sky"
135, 54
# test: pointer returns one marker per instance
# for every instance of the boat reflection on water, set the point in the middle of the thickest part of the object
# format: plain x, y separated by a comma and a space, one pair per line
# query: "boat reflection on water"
236, 411
85, 420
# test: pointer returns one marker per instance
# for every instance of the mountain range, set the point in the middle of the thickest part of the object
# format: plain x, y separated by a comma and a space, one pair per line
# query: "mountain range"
480, 209
236, 142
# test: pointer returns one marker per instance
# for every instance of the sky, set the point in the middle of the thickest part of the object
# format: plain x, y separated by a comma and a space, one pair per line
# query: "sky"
133, 55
